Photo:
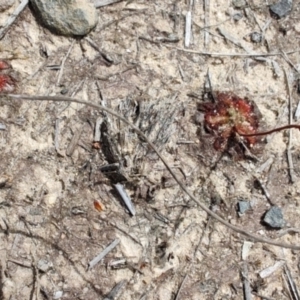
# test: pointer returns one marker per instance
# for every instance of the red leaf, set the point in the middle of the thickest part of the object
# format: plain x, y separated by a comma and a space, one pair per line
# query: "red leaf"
7, 83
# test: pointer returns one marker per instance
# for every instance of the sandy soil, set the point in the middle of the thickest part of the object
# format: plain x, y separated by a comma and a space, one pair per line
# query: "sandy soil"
170, 249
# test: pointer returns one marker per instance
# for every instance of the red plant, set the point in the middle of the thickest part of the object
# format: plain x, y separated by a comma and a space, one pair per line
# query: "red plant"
231, 116
7, 82
228, 116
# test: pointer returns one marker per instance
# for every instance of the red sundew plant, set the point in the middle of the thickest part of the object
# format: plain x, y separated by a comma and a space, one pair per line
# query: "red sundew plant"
228, 116
7, 82
231, 116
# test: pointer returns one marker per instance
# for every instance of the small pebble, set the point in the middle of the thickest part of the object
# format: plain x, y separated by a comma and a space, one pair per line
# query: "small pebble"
238, 16
57, 295
281, 8
256, 37
274, 217
243, 206
44, 265
64, 91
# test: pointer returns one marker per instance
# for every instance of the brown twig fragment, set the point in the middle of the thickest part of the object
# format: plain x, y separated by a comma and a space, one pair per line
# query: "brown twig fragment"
247, 234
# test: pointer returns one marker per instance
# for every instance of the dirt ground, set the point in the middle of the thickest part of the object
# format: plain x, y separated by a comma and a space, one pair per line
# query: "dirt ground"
135, 62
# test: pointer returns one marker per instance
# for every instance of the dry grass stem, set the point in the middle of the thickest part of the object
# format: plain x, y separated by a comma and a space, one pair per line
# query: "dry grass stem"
289, 146
101, 255
100, 3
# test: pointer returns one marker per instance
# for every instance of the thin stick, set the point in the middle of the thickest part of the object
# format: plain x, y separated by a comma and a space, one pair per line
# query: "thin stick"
246, 283
284, 55
206, 4
99, 3
126, 199
56, 137
232, 39
291, 283
272, 130
12, 18
181, 286
235, 54
188, 26
113, 294
182, 186
288, 150
63, 63
111, 246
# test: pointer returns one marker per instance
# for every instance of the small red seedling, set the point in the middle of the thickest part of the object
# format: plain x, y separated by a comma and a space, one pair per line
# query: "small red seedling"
228, 116
7, 83
231, 116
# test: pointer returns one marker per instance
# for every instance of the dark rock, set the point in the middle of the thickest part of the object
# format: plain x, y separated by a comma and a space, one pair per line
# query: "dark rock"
274, 217
256, 37
243, 206
281, 8
68, 17
236, 17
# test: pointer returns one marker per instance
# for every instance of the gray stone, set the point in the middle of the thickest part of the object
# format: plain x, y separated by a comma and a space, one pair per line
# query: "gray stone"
256, 37
274, 217
44, 265
281, 8
66, 17
236, 17
58, 294
244, 206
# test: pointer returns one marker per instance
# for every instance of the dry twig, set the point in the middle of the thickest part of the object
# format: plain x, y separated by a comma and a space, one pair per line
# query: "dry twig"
126, 199
291, 283
99, 3
12, 18
288, 150
115, 292
181, 286
188, 26
246, 282
61, 70
111, 246
212, 54
247, 234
